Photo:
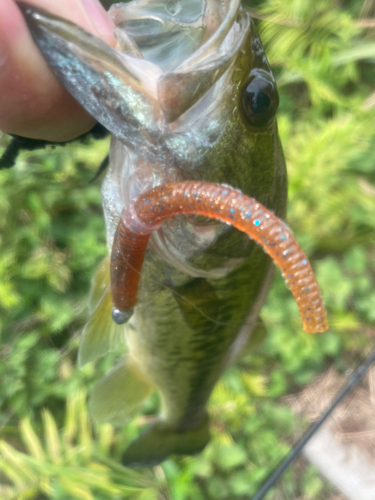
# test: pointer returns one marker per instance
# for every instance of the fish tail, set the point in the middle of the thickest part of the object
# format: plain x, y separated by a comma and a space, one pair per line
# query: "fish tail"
119, 396
159, 441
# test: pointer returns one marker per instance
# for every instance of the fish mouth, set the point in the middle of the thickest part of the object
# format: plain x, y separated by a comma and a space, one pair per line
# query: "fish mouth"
193, 42
151, 103
136, 90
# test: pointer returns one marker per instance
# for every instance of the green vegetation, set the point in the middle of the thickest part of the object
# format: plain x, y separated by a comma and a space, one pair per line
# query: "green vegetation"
52, 238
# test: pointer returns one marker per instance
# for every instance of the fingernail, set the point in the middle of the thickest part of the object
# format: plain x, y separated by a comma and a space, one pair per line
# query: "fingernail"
98, 17
4, 54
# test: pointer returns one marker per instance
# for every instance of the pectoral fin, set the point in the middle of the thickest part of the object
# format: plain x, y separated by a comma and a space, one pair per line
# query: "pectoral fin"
118, 397
101, 334
99, 283
160, 441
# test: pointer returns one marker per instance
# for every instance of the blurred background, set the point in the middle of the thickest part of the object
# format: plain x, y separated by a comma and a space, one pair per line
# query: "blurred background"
52, 238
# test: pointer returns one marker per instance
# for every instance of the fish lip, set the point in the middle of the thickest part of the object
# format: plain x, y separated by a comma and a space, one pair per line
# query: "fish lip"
166, 95
100, 79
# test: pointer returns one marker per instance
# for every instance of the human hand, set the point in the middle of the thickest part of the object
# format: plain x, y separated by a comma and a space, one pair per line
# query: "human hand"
33, 103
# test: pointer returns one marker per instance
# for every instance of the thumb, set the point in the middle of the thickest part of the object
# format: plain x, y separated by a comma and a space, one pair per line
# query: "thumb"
33, 103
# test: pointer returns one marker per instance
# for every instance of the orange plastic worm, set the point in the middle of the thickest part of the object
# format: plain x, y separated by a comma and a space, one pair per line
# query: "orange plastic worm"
220, 202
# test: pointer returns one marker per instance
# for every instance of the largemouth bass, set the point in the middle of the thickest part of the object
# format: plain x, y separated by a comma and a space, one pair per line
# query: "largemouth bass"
187, 95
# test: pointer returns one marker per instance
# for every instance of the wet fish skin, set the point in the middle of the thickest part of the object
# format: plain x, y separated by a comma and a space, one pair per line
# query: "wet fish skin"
202, 284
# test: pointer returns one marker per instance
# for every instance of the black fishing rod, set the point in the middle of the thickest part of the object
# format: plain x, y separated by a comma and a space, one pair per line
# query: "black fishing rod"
354, 380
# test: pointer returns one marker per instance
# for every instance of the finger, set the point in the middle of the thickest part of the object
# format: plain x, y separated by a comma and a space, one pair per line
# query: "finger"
33, 103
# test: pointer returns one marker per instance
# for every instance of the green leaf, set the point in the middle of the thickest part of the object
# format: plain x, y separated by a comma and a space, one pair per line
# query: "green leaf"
31, 440
76, 491
231, 457
52, 437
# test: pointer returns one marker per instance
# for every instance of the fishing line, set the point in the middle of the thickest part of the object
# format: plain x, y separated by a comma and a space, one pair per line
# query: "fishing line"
354, 380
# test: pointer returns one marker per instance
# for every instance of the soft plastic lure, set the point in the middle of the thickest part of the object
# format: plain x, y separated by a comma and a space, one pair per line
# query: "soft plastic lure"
228, 205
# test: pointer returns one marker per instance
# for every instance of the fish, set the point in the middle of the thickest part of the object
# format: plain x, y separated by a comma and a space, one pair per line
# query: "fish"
188, 95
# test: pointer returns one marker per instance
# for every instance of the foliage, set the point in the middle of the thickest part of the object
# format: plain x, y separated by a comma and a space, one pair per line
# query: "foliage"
72, 463
52, 237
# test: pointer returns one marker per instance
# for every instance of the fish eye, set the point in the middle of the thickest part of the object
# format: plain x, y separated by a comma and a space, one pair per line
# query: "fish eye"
260, 99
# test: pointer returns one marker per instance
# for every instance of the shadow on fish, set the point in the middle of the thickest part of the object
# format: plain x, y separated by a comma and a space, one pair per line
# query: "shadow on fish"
188, 95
